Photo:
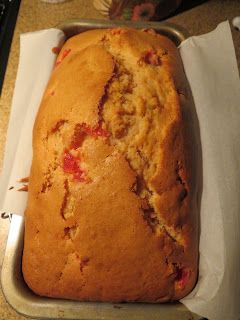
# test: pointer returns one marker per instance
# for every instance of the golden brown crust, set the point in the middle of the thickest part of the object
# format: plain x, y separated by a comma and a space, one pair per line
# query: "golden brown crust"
111, 208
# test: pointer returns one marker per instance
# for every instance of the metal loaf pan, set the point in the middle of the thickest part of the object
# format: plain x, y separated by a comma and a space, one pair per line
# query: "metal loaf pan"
16, 292
176, 33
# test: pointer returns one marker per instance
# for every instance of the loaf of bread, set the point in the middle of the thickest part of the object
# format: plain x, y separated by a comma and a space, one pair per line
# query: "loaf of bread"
111, 205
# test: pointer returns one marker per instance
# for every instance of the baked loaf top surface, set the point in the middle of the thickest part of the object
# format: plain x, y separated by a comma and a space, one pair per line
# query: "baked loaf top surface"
111, 206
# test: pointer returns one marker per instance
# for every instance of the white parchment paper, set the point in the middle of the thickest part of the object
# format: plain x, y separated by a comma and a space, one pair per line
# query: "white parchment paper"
210, 65
35, 66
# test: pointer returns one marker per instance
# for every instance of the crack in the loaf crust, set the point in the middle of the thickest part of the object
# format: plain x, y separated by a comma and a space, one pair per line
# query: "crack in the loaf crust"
150, 216
48, 176
180, 179
53, 166
59, 278
46, 186
153, 220
71, 232
170, 235
67, 209
55, 129
104, 98
139, 185
65, 198
58, 126
155, 223
117, 105
143, 157
82, 130
81, 266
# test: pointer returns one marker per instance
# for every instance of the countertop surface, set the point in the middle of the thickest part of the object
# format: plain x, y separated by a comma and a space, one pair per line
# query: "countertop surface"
36, 15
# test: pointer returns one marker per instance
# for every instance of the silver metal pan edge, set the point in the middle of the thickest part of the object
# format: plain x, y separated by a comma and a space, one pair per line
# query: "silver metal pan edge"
175, 32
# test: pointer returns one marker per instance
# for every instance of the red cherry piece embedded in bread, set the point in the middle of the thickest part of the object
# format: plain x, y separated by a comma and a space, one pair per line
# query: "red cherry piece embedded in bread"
99, 132
83, 129
84, 262
64, 54
152, 58
183, 274
71, 165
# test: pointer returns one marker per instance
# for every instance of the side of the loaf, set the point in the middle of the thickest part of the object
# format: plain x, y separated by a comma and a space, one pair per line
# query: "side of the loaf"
111, 213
